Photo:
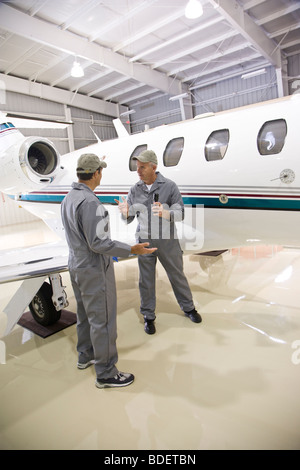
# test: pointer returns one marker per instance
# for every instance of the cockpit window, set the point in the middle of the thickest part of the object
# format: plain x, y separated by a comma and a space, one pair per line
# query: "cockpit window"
6, 125
216, 145
271, 137
173, 152
137, 151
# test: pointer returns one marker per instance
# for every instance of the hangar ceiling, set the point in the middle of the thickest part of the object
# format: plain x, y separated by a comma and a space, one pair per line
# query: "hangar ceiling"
132, 51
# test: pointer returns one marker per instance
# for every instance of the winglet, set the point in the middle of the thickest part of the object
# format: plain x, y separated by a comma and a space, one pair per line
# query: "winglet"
120, 128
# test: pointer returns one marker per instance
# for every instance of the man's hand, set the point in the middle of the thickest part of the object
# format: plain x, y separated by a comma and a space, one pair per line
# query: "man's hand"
140, 249
123, 206
159, 211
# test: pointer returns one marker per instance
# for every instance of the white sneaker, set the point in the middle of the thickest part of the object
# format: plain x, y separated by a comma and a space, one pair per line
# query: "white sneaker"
85, 365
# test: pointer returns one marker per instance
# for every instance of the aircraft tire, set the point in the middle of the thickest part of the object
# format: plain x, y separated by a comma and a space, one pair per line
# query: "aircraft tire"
42, 308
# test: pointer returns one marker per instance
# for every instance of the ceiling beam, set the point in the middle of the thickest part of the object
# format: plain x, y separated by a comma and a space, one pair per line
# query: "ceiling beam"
118, 22
84, 8
279, 14
34, 29
18, 85
151, 28
221, 67
233, 12
176, 38
195, 48
217, 57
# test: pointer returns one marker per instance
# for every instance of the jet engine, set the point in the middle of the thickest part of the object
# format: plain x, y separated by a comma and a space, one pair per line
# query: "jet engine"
29, 164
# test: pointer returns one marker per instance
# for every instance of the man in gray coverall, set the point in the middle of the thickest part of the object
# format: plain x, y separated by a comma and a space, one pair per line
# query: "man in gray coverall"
91, 269
157, 203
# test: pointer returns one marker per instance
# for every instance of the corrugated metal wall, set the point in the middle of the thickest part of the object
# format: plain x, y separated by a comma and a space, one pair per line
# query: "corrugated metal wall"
155, 113
84, 121
236, 92
30, 105
227, 94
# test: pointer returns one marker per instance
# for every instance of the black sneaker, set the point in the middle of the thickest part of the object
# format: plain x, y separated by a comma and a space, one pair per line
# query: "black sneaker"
149, 327
120, 380
194, 316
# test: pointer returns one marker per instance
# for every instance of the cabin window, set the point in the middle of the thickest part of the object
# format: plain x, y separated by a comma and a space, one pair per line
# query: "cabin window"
271, 137
137, 151
216, 145
173, 152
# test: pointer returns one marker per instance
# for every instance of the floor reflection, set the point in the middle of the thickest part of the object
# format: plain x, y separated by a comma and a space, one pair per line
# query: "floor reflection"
231, 382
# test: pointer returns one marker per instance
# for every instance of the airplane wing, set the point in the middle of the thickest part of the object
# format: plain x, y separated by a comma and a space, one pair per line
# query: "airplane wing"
32, 265
33, 261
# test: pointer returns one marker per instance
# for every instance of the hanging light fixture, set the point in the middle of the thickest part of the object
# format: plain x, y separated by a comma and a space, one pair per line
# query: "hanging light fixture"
193, 9
77, 70
253, 74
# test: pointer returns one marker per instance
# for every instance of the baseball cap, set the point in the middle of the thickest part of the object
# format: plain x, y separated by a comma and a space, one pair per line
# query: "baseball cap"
89, 163
147, 156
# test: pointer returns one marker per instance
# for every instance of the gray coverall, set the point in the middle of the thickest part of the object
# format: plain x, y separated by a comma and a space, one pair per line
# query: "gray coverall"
92, 275
160, 233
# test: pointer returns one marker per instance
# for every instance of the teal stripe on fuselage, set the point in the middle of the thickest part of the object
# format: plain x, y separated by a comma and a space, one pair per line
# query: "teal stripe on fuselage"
245, 203
52, 198
234, 203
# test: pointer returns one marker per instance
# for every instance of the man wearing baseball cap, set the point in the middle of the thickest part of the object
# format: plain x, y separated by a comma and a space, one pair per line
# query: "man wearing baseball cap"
91, 270
162, 199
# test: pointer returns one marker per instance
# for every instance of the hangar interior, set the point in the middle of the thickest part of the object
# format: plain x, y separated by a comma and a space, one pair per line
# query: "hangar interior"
231, 382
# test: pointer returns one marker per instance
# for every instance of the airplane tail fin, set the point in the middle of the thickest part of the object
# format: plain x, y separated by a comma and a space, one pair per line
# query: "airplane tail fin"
3, 117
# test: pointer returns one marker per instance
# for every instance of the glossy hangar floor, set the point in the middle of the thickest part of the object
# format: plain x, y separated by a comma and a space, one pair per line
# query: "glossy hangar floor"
232, 382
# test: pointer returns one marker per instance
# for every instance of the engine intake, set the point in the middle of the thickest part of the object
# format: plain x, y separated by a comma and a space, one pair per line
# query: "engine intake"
29, 164
39, 158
